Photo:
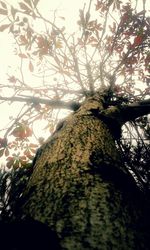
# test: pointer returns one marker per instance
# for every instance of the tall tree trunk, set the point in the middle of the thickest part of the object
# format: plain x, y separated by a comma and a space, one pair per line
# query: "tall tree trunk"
80, 188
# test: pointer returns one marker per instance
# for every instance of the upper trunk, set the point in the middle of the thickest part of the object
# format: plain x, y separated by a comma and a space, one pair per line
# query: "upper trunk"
80, 188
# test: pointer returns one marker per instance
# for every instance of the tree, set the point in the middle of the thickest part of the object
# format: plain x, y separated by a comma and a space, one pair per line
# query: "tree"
85, 183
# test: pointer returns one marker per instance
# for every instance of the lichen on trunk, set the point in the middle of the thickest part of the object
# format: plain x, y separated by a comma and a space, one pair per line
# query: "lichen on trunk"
80, 188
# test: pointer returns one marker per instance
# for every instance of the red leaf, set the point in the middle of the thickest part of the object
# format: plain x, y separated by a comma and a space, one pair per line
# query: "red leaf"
10, 158
33, 151
22, 55
18, 132
28, 132
41, 42
124, 18
98, 5
30, 157
33, 145
137, 40
3, 142
9, 164
31, 68
23, 39
6, 152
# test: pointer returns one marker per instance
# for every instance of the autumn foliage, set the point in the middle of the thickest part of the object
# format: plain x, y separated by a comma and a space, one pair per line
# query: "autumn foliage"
109, 47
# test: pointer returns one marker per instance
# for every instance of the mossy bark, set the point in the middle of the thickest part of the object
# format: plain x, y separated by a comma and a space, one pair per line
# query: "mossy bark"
80, 188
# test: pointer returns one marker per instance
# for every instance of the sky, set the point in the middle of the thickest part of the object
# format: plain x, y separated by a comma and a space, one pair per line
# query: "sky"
8, 60
67, 8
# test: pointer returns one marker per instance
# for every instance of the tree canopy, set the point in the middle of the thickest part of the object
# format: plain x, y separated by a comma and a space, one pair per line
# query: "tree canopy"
58, 69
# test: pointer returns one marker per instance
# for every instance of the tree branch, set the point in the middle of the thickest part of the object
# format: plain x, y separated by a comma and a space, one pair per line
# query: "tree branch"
36, 100
116, 115
134, 110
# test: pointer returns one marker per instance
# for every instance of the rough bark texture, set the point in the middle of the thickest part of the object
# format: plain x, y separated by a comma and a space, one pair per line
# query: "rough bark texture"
80, 189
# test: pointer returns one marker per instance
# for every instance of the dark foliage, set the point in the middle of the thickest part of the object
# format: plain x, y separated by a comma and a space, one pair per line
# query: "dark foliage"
12, 184
137, 159
16, 233
135, 150
28, 234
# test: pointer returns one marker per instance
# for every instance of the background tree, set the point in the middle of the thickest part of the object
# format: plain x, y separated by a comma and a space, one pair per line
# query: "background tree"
101, 72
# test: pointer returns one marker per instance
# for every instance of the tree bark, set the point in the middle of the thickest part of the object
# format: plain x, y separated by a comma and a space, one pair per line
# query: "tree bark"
82, 191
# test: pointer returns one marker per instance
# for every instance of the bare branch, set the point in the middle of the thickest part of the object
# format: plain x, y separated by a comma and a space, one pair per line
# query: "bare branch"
37, 100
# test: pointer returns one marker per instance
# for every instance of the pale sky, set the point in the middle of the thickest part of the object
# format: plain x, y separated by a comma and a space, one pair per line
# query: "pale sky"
67, 8
9, 62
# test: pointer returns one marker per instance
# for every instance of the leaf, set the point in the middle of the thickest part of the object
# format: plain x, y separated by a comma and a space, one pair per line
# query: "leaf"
33, 150
3, 5
2, 152
62, 17
138, 40
35, 2
28, 131
31, 68
66, 73
22, 55
3, 12
6, 152
3, 142
28, 2
24, 7
9, 164
12, 79
17, 132
13, 12
23, 39
4, 27
33, 145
